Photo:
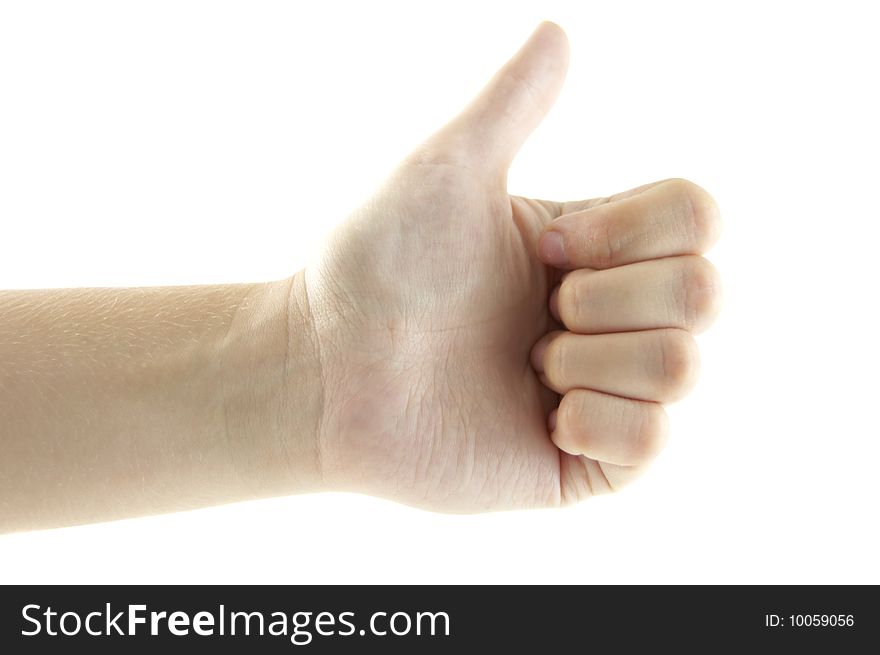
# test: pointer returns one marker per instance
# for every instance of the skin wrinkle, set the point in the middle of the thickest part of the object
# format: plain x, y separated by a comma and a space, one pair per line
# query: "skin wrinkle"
688, 308
225, 347
690, 218
284, 378
584, 463
604, 476
563, 481
321, 419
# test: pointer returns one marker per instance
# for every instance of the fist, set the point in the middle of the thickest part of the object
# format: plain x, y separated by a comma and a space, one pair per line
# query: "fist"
632, 290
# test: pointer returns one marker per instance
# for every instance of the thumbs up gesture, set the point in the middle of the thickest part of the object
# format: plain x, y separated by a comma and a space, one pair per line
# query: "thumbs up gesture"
481, 351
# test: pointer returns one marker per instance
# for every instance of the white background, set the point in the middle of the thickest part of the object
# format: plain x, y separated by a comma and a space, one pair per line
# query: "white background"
200, 142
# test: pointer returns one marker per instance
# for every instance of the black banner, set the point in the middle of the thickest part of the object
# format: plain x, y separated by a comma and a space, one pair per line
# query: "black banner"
114, 619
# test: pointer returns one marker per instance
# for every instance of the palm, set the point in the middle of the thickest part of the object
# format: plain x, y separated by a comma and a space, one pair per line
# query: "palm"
441, 364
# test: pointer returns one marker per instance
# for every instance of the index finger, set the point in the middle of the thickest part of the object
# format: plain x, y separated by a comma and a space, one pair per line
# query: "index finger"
671, 218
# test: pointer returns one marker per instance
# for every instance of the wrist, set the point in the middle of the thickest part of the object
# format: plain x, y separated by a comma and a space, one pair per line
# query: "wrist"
273, 392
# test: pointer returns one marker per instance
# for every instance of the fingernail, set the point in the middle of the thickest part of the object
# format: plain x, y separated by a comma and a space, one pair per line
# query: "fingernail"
551, 249
538, 356
553, 303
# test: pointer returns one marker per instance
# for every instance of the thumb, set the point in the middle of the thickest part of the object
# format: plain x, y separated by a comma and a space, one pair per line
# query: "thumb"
493, 127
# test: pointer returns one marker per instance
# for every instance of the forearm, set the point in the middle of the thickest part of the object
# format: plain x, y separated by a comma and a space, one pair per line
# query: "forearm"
122, 402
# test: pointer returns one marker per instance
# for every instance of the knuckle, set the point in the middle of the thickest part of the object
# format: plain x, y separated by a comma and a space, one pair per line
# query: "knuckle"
653, 432
703, 214
681, 185
701, 292
679, 364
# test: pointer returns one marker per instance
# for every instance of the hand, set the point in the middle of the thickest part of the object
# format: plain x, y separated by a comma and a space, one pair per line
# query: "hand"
481, 351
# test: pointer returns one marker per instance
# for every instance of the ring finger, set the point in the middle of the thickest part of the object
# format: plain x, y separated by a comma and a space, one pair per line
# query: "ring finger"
655, 365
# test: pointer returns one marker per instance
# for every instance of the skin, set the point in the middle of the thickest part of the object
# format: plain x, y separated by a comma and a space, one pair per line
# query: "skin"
454, 348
